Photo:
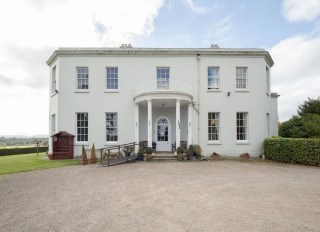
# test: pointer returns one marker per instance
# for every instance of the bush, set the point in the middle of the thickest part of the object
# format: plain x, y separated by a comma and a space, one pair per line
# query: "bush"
180, 150
149, 150
21, 150
294, 151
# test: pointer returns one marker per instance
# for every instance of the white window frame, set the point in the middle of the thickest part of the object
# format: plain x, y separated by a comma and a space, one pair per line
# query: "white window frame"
214, 123
53, 124
54, 80
82, 78
82, 128
163, 77
242, 126
112, 87
112, 137
241, 80
215, 80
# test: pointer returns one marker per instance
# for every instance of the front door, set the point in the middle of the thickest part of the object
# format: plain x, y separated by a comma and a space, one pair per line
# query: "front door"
163, 136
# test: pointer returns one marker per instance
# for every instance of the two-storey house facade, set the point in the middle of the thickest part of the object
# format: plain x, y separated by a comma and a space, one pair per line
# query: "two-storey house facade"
218, 98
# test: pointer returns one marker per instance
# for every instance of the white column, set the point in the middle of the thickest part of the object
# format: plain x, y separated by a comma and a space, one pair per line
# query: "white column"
136, 128
177, 123
149, 123
189, 124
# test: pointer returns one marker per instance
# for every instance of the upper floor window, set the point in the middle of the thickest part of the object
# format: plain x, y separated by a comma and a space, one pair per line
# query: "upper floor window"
111, 127
163, 76
213, 126
242, 126
53, 80
82, 78
82, 127
241, 77
213, 77
112, 78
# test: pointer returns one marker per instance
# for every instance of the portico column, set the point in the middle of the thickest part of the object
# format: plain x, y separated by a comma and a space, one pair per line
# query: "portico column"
189, 124
136, 128
149, 123
177, 123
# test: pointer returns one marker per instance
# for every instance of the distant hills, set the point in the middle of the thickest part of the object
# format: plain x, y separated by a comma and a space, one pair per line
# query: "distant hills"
24, 136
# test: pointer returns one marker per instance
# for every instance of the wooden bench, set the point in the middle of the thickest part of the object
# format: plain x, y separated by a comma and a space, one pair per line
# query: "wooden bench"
182, 144
144, 145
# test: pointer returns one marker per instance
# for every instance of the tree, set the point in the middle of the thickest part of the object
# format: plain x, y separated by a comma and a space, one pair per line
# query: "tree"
311, 123
293, 128
312, 106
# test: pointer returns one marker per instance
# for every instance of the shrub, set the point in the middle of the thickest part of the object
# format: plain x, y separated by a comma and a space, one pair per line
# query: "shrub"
197, 149
22, 150
245, 156
294, 151
180, 150
84, 153
149, 150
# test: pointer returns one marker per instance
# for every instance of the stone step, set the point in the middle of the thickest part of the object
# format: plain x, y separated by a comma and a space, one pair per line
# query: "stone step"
164, 158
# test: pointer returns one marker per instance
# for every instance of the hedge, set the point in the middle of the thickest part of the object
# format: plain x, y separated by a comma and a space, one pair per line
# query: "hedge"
293, 151
21, 150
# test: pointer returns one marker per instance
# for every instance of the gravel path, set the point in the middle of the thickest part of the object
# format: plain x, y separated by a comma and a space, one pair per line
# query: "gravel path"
176, 196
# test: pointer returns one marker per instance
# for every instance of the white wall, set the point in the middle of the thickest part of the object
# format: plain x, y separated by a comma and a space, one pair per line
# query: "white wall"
135, 69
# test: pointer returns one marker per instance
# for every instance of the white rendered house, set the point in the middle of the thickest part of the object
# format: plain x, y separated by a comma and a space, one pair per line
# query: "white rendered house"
217, 98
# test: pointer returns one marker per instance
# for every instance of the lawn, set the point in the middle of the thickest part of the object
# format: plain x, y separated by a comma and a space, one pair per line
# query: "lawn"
27, 162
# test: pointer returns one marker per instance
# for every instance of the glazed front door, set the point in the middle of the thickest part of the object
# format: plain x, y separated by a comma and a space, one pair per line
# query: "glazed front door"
163, 134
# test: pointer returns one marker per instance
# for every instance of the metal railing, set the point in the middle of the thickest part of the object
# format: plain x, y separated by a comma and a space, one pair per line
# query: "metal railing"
128, 149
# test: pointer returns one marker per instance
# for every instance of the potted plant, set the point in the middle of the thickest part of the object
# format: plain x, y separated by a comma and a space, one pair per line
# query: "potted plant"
197, 150
140, 153
128, 150
180, 151
84, 159
149, 152
93, 155
215, 156
245, 156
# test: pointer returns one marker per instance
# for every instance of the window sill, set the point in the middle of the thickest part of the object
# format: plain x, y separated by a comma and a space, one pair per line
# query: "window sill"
214, 143
213, 90
82, 91
242, 90
111, 91
245, 142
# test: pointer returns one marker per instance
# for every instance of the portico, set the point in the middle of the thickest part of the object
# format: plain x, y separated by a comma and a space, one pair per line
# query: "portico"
163, 116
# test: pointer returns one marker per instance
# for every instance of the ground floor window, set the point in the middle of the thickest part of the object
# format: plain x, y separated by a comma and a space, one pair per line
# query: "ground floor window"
82, 127
242, 126
213, 126
111, 127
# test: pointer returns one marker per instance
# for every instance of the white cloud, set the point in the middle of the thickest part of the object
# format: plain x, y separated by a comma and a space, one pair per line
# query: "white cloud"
194, 8
296, 73
32, 29
301, 10
220, 32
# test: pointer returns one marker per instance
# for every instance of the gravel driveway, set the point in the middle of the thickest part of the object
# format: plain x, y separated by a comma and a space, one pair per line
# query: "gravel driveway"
173, 196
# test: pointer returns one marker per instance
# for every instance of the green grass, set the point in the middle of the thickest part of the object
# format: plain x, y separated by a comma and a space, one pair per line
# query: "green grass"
28, 162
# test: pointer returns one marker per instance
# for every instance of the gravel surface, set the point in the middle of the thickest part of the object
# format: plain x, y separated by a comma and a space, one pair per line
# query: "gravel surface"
172, 196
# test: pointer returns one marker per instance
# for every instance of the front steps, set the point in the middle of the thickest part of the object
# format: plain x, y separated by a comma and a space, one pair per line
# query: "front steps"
164, 157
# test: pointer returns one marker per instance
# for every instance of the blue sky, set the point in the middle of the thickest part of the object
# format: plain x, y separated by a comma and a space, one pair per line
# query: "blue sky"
288, 29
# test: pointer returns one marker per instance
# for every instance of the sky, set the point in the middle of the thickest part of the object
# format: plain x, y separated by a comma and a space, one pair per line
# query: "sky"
30, 31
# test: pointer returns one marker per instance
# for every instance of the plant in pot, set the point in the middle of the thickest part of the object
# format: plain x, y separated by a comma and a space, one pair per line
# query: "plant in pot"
84, 159
215, 156
197, 150
128, 150
93, 155
140, 153
149, 151
180, 152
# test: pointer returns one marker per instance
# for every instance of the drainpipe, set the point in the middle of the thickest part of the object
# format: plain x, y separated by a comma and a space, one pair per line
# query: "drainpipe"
198, 79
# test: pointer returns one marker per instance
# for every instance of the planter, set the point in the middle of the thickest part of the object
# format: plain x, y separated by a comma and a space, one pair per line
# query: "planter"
84, 161
184, 157
93, 161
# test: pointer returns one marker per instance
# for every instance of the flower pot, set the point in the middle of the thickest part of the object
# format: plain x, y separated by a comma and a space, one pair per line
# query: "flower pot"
84, 161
